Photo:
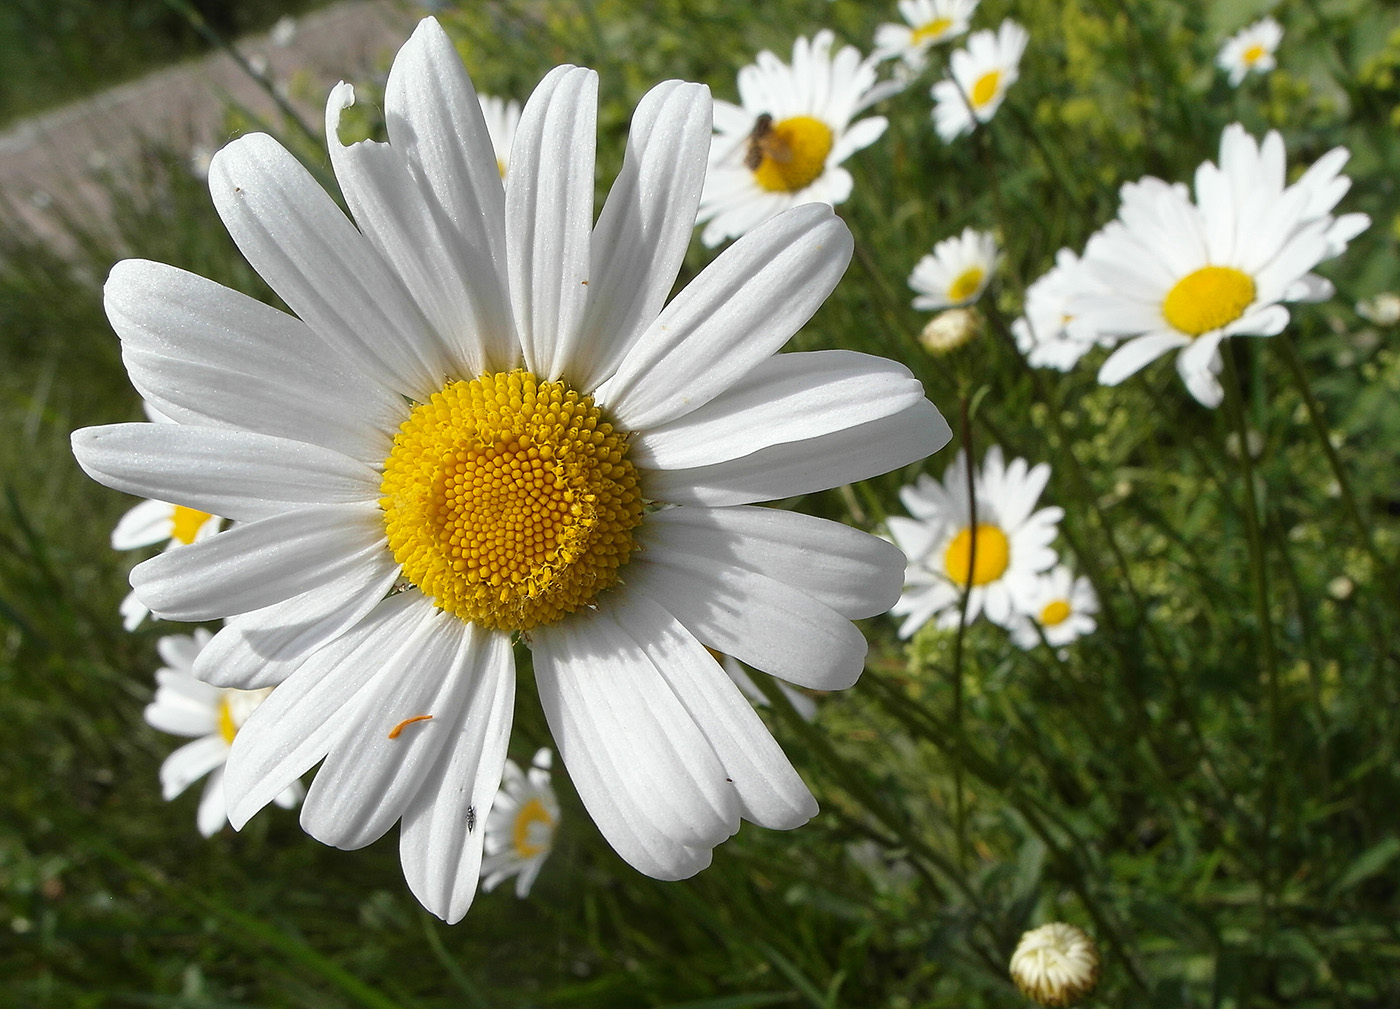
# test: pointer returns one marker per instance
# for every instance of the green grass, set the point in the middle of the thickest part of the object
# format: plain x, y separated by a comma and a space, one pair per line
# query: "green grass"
1228, 838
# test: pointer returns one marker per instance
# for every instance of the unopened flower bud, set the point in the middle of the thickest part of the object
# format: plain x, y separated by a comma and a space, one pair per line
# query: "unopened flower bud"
949, 330
1055, 964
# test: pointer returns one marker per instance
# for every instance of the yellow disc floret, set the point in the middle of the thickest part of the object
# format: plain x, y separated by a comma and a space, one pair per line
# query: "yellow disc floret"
985, 88
793, 153
932, 31
1054, 613
186, 522
1208, 299
529, 842
966, 284
509, 500
993, 555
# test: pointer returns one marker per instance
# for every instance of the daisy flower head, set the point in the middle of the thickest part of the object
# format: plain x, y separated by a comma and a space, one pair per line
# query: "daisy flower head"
485, 424
956, 272
783, 145
520, 828
502, 117
1048, 334
158, 522
997, 562
979, 78
1173, 274
926, 24
185, 706
1061, 605
1251, 49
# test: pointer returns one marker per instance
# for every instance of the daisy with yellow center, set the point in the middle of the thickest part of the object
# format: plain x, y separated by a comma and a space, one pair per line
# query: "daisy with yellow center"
784, 144
1174, 274
485, 425
1060, 607
996, 561
979, 77
185, 706
926, 24
957, 271
1250, 50
1048, 334
521, 826
502, 117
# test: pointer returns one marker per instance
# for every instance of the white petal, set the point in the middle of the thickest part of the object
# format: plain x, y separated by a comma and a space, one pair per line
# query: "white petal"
213, 811
738, 312
1137, 354
190, 763
549, 214
147, 523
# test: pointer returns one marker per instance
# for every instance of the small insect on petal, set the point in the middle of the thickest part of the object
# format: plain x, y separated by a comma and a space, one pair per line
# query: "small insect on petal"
394, 732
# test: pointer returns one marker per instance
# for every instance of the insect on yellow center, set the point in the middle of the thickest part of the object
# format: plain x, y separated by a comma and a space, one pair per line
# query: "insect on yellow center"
187, 523
530, 842
1054, 613
510, 501
1208, 299
966, 284
931, 31
985, 89
1253, 54
793, 153
993, 555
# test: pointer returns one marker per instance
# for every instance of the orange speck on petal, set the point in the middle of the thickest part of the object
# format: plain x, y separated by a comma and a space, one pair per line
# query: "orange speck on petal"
394, 732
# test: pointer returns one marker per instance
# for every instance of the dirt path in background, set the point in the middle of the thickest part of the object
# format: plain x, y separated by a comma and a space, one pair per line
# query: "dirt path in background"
50, 164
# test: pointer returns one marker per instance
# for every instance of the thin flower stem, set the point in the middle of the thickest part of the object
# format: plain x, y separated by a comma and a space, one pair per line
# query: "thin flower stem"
959, 799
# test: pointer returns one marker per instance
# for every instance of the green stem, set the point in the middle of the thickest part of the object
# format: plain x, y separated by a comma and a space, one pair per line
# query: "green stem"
959, 796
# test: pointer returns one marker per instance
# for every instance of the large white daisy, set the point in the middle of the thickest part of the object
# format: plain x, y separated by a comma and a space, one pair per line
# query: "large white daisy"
520, 830
1173, 274
1048, 334
185, 706
1061, 605
784, 145
1250, 50
926, 24
980, 75
484, 422
957, 271
1000, 558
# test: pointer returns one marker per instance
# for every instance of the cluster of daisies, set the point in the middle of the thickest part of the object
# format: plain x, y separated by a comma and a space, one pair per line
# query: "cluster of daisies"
976, 544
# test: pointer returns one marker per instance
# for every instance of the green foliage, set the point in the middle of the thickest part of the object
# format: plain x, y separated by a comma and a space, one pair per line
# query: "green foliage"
1224, 827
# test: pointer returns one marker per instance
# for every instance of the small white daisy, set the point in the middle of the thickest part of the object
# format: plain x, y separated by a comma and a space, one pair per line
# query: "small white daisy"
1047, 333
980, 75
1176, 275
926, 24
1012, 542
1055, 965
957, 271
784, 145
1250, 50
804, 705
502, 117
1062, 605
185, 706
521, 825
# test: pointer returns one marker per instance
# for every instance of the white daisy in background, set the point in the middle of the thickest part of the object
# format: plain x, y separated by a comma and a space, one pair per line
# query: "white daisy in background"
1047, 333
980, 75
1250, 49
1063, 606
784, 145
926, 24
1012, 542
520, 828
481, 407
185, 706
1174, 275
502, 117
957, 271
802, 704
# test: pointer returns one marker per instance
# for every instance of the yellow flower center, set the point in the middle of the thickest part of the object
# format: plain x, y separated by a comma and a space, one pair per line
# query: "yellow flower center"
227, 727
966, 284
993, 555
985, 89
234, 708
1208, 299
792, 152
509, 500
531, 813
187, 523
1054, 613
932, 31
1252, 54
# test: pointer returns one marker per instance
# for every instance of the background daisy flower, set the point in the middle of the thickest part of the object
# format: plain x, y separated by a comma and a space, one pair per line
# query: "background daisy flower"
481, 407
1250, 49
784, 144
979, 77
1047, 333
185, 706
957, 271
1177, 275
521, 826
1063, 606
1012, 542
926, 24
502, 117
